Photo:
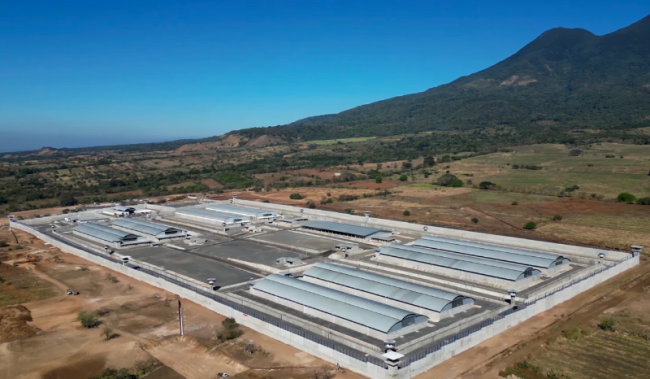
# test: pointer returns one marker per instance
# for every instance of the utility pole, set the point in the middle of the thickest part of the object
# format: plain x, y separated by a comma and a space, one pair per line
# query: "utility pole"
180, 317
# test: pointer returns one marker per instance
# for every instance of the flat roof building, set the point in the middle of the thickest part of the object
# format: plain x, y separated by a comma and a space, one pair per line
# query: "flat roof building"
353, 312
149, 228
432, 302
252, 213
211, 217
342, 229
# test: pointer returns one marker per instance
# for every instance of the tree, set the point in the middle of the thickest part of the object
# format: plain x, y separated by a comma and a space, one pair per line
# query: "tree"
295, 196
87, 320
230, 330
557, 218
107, 333
378, 178
457, 183
475, 220
311, 204
643, 201
515, 202
626, 198
487, 185
530, 225
575, 152
66, 200
607, 325
403, 178
111, 373
447, 180
407, 213
429, 161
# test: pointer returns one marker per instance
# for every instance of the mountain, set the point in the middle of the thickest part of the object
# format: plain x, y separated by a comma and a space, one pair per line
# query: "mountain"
565, 79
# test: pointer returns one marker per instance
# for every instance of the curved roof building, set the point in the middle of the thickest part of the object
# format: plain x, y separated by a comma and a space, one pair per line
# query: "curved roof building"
502, 253
367, 313
105, 233
459, 262
256, 213
212, 217
429, 298
149, 228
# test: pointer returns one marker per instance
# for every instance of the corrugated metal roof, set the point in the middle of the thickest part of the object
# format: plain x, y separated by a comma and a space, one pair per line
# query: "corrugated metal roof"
394, 289
213, 215
144, 226
243, 211
105, 233
496, 269
336, 227
513, 250
545, 262
365, 312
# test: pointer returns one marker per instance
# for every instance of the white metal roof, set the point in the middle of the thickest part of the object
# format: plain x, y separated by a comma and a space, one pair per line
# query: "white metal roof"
433, 299
371, 314
482, 266
243, 211
213, 215
145, 227
504, 253
105, 233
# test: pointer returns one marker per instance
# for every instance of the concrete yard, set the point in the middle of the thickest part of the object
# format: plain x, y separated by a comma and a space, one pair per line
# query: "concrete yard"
247, 251
301, 240
195, 267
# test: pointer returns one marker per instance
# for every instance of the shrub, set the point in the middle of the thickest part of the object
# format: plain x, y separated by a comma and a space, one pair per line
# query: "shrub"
230, 330
295, 196
348, 198
407, 213
87, 320
447, 180
487, 185
575, 152
327, 201
107, 333
515, 202
349, 211
403, 178
457, 183
311, 204
378, 178
265, 201
643, 201
625, 198
530, 225
607, 325
557, 218
475, 220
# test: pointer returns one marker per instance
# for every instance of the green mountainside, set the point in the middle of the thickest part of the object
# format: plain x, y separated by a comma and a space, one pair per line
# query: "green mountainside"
566, 79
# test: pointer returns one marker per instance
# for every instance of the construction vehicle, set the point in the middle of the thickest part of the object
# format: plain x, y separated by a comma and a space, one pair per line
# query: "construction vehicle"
72, 292
222, 375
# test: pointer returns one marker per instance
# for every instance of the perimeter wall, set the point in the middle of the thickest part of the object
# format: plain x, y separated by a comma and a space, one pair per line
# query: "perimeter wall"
411, 365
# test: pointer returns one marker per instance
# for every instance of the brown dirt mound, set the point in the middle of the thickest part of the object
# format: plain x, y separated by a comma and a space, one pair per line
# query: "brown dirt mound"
13, 323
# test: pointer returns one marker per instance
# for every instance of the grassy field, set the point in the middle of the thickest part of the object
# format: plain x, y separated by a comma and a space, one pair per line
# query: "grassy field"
18, 286
344, 140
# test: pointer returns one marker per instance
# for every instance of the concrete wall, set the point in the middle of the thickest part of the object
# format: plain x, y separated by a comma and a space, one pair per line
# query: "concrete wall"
412, 365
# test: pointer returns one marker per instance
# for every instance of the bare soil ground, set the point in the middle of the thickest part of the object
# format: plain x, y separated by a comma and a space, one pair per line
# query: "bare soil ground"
537, 339
54, 346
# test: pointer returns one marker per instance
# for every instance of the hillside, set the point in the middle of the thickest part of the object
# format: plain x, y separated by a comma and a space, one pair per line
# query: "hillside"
566, 79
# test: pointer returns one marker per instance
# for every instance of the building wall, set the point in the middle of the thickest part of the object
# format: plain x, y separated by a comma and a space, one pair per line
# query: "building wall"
366, 368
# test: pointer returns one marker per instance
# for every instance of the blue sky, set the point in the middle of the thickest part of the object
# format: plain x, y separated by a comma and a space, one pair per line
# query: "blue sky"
79, 73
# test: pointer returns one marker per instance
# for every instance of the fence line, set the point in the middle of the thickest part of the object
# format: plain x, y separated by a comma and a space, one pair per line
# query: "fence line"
334, 345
